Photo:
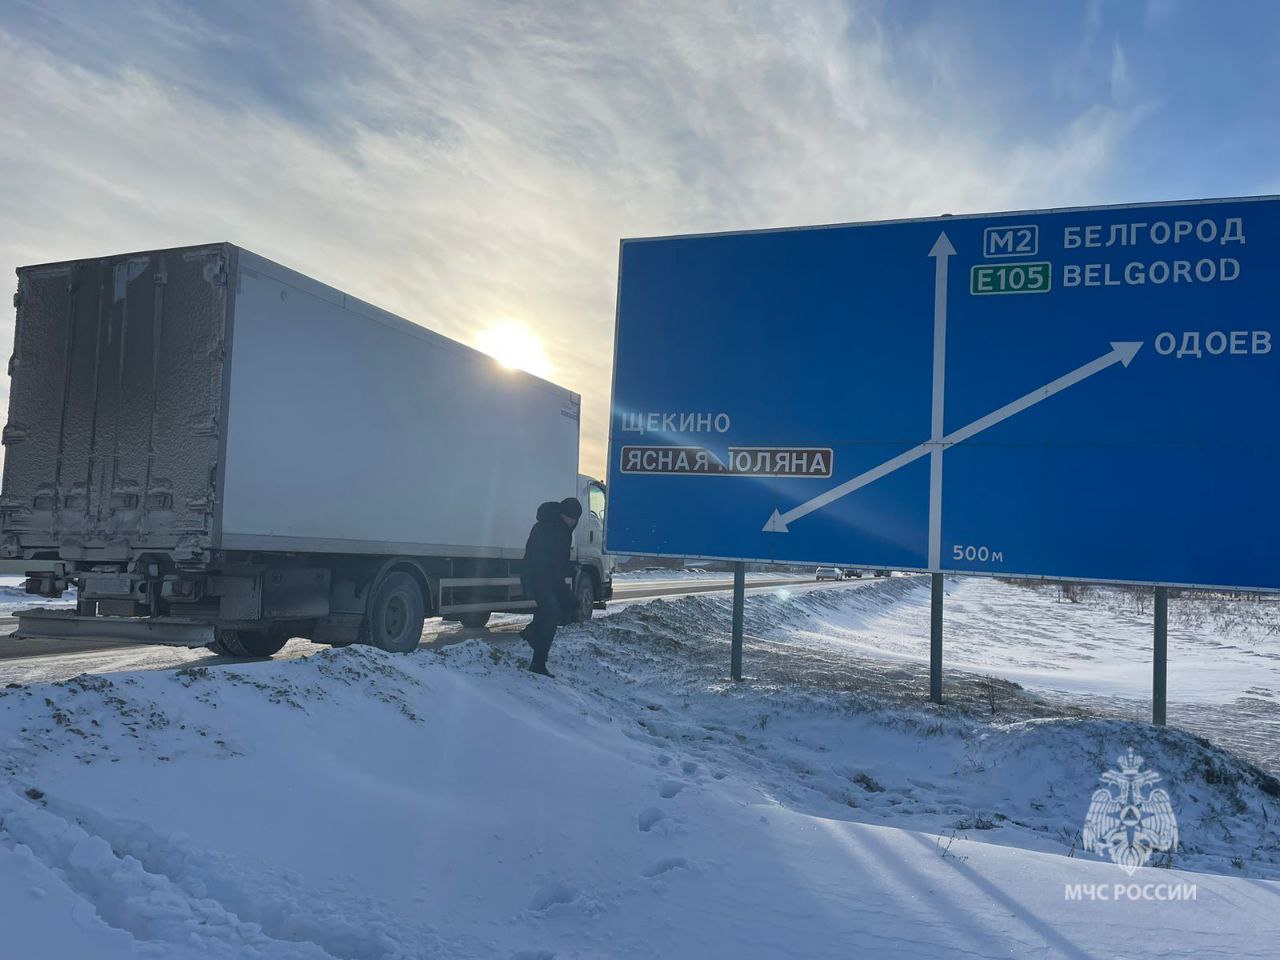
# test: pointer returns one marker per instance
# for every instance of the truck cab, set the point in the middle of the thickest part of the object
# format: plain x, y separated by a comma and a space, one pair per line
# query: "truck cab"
588, 548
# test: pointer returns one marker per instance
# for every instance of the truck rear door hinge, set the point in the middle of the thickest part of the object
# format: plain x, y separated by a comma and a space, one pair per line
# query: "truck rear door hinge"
205, 427
215, 271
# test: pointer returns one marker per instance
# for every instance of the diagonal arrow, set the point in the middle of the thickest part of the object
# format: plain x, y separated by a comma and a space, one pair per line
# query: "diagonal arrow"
1122, 352
942, 253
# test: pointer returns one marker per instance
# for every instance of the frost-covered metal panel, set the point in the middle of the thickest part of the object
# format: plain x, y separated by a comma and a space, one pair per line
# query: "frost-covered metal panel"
351, 429
116, 384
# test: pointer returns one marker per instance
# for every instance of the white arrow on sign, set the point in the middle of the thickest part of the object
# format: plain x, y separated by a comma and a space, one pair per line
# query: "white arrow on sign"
1122, 352
942, 253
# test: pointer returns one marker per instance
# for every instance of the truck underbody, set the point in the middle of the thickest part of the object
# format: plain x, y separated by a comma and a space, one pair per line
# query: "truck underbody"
250, 604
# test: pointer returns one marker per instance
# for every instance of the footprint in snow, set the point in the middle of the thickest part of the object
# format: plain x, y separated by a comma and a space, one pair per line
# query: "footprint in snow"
689, 767
552, 894
650, 817
664, 866
670, 788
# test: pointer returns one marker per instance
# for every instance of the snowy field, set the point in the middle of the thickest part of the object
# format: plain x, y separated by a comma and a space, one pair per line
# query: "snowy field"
354, 804
1096, 653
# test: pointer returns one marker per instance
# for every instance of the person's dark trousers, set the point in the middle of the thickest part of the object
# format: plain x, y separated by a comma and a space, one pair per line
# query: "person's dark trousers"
542, 630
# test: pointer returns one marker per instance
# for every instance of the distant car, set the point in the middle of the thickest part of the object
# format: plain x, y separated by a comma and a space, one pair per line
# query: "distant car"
853, 573
829, 573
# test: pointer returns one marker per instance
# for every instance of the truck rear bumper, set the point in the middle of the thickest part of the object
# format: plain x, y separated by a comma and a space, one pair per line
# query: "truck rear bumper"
67, 625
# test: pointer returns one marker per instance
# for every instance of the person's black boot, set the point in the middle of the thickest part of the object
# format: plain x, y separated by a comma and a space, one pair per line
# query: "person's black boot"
524, 635
539, 665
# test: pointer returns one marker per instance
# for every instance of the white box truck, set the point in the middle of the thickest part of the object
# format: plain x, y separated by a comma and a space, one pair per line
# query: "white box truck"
216, 450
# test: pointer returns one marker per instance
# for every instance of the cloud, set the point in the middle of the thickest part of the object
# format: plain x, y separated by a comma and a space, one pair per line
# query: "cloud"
1121, 86
471, 164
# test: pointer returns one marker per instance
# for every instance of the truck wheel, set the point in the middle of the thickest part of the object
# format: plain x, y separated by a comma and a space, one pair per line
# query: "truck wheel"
218, 647
228, 644
249, 643
584, 593
394, 619
266, 643
474, 619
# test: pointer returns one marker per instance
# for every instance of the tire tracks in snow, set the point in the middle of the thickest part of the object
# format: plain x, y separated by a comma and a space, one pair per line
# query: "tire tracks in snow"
169, 895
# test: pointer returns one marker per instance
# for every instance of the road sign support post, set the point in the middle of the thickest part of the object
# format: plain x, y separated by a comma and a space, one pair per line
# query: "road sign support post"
1160, 660
935, 640
739, 598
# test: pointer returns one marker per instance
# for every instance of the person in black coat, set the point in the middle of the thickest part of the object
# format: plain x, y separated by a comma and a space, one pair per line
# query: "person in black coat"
545, 569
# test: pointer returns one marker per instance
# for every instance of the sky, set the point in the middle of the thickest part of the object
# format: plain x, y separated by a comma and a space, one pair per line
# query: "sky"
472, 165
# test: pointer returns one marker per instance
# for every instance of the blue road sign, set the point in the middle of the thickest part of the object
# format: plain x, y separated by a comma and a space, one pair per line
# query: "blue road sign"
1085, 393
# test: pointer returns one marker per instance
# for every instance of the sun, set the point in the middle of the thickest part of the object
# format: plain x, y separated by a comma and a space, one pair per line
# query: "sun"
515, 346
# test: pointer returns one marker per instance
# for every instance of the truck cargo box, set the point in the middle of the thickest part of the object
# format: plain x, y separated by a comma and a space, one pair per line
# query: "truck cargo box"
203, 399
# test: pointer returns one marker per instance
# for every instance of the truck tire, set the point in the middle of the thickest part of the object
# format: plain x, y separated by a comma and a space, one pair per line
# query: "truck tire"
584, 595
249, 644
218, 647
395, 615
474, 619
264, 643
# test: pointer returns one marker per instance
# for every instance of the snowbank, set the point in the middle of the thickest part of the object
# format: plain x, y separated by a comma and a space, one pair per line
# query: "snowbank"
357, 804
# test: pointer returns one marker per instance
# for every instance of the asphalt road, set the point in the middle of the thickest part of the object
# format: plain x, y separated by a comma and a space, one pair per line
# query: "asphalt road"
11, 649
670, 588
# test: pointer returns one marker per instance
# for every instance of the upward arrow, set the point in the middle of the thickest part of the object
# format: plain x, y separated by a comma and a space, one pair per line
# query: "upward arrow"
942, 246
1122, 352
942, 253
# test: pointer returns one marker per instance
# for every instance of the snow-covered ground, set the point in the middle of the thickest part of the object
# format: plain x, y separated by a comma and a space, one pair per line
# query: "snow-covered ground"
1096, 652
356, 804
1101, 643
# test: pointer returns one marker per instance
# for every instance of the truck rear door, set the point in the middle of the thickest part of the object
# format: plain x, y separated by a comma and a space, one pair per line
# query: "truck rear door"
115, 405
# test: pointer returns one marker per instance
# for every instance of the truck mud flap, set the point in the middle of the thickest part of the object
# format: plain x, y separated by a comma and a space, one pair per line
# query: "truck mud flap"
68, 625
